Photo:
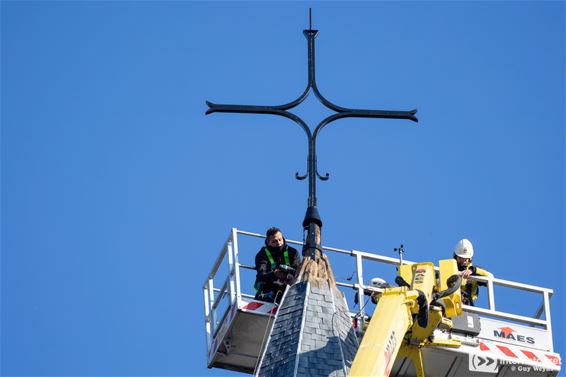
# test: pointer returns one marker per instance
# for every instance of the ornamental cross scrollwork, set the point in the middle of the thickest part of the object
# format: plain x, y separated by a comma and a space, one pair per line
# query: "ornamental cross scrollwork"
339, 113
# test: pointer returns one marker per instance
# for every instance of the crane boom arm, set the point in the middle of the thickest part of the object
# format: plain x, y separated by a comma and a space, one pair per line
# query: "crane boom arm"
384, 335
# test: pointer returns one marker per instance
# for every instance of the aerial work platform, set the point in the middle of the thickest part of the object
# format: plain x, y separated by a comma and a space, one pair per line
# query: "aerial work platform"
494, 342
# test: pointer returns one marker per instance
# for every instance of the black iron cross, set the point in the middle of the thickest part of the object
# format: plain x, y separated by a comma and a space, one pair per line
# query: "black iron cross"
341, 112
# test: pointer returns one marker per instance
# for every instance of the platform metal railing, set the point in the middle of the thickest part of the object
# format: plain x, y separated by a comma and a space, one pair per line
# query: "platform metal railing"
230, 290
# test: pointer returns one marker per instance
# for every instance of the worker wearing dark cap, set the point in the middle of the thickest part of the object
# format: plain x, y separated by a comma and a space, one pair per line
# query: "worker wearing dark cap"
277, 265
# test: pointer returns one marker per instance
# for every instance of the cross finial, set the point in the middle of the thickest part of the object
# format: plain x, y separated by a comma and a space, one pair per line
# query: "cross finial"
340, 112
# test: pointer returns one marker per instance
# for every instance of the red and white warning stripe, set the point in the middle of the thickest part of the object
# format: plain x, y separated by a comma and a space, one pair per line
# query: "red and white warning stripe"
259, 307
519, 355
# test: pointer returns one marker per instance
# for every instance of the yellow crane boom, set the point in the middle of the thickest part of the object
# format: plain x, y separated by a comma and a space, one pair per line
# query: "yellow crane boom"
393, 330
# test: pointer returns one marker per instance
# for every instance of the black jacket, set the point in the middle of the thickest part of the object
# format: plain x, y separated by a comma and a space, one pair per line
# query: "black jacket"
265, 276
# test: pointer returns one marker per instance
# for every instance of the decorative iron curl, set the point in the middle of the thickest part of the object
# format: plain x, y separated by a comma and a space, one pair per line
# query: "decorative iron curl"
341, 112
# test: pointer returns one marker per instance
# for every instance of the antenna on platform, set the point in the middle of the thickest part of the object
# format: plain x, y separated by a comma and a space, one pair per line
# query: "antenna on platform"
400, 250
312, 221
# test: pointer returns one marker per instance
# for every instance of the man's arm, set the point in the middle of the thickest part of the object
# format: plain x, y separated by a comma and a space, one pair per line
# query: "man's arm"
478, 271
295, 264
263, 268
481, 272
296, 261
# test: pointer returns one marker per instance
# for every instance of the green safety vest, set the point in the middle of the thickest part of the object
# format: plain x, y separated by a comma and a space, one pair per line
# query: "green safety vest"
273, 264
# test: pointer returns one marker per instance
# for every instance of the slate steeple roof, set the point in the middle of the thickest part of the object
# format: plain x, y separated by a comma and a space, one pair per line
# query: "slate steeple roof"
312, 334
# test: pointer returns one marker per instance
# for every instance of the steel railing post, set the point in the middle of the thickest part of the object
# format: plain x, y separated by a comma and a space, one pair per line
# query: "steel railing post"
360, 278
211, 303
208, 328
237, 265
546, 297
231, 273
490, 294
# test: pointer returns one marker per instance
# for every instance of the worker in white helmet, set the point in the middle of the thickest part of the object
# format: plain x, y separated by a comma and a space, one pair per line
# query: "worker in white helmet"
463, 253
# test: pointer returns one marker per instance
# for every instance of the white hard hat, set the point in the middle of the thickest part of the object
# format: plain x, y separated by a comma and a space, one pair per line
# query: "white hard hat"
378, 282
464, 249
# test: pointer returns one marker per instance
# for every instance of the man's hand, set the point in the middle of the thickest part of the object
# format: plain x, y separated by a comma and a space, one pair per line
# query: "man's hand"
465, 274
289, 279
280, 274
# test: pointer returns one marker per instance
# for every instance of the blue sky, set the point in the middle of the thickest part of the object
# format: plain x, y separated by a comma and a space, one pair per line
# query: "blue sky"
118, 192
